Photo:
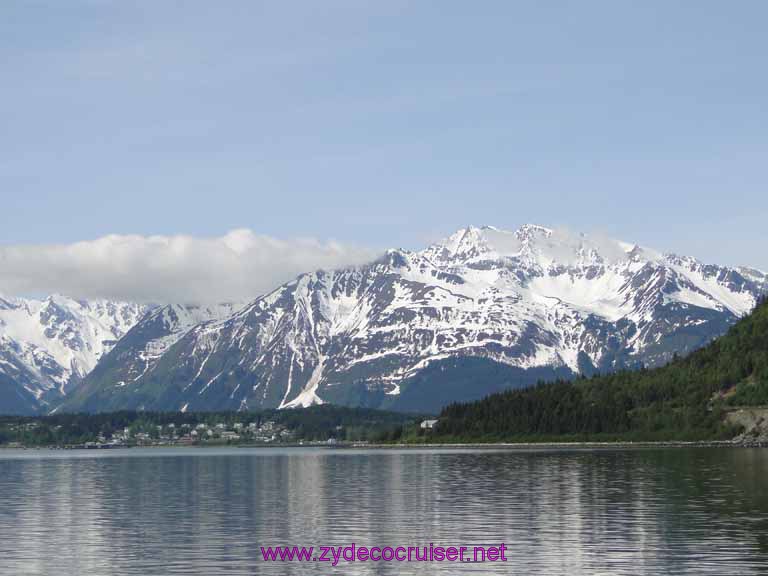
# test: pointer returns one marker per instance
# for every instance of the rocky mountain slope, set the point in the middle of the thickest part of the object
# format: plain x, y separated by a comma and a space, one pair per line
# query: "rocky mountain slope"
717, 392
416, 330
142, 347
48, 346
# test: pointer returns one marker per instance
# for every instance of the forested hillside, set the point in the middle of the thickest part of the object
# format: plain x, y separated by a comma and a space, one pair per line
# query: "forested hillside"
684, 400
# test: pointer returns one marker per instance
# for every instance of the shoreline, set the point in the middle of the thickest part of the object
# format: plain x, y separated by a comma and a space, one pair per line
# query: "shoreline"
585, 445
436, 446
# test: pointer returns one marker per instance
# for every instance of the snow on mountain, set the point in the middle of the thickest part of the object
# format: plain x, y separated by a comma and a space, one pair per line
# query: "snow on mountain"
146, 343
47, 346
536, 301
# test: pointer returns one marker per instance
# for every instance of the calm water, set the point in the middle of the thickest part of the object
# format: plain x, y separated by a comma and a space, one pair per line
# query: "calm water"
207, 511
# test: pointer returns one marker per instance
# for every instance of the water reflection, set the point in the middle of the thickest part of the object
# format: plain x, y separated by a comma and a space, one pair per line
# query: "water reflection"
207, 512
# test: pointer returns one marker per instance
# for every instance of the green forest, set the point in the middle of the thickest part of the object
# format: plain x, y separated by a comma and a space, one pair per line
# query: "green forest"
684, 400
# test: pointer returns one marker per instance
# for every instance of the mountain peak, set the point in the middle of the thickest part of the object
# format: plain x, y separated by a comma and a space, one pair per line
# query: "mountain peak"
528, 232
463, 244
490, 242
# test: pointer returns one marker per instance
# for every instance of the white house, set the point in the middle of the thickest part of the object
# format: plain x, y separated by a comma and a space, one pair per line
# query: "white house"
428, 424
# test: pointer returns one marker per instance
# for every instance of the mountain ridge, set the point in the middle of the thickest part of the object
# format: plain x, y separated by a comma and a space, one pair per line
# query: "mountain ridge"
698, 397
532, 299
48, 346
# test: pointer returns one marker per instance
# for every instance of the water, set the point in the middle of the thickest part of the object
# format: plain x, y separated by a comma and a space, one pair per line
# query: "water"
207, 511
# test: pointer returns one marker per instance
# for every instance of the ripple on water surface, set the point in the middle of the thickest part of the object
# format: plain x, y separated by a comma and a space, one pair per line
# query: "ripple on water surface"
560, 512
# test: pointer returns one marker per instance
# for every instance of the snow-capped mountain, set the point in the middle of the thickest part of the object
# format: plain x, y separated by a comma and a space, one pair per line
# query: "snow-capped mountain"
482, 310
144, 345
48, 346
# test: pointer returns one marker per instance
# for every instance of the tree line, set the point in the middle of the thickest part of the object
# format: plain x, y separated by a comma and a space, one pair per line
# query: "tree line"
683, 400
317, 423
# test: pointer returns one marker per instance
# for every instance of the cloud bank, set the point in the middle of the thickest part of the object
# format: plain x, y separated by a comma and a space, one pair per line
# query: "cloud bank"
237, 266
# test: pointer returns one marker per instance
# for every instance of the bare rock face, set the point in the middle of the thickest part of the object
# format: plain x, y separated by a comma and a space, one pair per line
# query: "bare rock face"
754, 425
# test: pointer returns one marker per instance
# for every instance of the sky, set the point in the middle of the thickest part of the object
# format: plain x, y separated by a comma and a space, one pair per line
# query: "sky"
340, 128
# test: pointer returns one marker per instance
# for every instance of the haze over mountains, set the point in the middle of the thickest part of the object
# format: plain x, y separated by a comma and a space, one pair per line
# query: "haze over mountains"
482, 310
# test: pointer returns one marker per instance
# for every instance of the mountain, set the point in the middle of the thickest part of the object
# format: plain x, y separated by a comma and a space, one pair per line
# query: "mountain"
48, 346
144, 345
483, 310
702, 396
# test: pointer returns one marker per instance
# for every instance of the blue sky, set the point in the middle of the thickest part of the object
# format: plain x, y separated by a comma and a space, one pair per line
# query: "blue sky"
388, 123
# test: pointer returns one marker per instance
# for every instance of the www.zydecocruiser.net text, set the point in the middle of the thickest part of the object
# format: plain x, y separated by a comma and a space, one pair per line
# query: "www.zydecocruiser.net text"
354, 553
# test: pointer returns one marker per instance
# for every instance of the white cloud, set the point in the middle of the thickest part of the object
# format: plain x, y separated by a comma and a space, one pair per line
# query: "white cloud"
239, 265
